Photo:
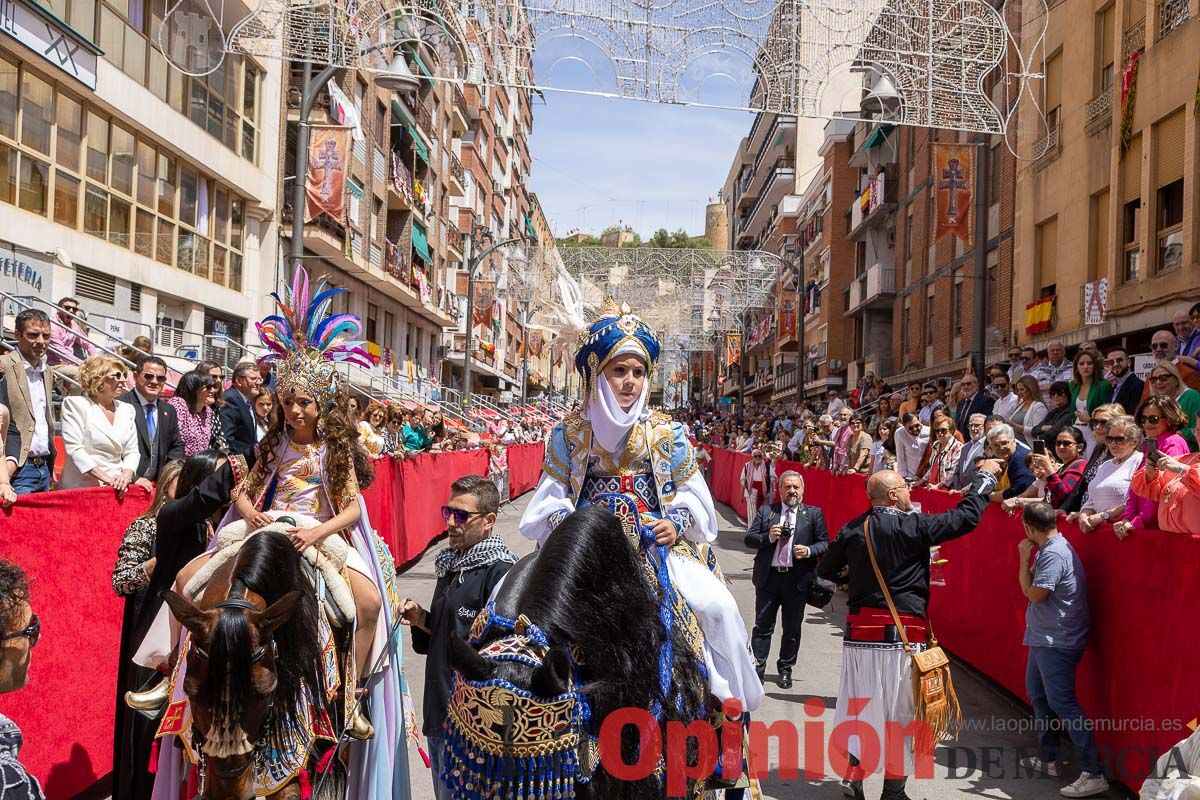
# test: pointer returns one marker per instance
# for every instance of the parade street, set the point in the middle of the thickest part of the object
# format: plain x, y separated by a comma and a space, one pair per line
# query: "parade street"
997, 739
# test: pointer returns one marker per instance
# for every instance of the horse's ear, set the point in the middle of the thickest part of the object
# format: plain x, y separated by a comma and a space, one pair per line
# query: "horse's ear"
467, 661
279, 612
188, 613
553, 677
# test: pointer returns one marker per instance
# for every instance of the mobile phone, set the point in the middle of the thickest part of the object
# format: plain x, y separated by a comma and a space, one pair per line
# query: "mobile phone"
1150, 448
1039, 447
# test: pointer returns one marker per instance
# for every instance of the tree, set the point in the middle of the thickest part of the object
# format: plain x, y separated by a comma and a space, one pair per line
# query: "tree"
680, 239
660, 238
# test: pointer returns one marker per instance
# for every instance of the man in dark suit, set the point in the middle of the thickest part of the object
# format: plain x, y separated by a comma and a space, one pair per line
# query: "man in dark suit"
973, 402
1127, 387
159, 440
789, 537
237, 415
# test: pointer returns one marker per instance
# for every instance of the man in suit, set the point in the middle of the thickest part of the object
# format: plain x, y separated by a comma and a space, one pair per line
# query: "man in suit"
964, 472
973, 402
237, 414
25, 388
1127, 387
789, 538
159, 440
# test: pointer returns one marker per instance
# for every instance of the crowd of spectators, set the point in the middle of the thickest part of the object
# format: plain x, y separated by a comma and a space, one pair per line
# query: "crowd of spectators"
1082, 433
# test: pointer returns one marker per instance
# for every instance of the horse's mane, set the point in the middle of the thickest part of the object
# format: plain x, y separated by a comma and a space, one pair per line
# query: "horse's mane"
587, 588
268, 565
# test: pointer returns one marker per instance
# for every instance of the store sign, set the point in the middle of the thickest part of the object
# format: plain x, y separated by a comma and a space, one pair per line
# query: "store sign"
19, 274
50, 38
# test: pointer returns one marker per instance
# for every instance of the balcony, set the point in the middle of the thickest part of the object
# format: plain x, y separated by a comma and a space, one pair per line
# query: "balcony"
1134, 39
1171, 14
457, 175
1047, 148
777, 137
1098, 113
460, 112
785, 380
874, 289
761, 381
868, 135
780, 181
324, 235
425, 121
872, 206
744, 189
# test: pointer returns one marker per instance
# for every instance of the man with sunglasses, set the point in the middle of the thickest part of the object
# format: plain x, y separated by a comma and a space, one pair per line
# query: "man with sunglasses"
1127, 387
68, 345
159, 439
1164, 346
467, 572
20, 630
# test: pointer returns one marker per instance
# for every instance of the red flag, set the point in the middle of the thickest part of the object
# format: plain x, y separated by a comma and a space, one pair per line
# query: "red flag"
325, 181
954, 176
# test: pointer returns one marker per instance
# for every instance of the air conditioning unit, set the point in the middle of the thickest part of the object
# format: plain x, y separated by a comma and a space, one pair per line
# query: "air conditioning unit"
496, 186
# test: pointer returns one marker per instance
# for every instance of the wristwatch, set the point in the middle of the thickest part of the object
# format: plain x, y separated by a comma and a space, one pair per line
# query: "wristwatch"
1104, 515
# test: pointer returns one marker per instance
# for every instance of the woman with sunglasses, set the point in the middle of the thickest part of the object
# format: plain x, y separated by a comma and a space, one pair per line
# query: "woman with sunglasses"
1165, 378
1108, 495
195, 407
944, 452
1057, 476
1162, 419
20, 631
99, 432
1173, 483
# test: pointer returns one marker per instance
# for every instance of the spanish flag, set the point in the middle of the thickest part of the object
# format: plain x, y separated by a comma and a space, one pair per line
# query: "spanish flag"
1038, 315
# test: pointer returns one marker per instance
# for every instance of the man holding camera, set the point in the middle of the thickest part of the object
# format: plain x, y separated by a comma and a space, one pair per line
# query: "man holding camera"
789, 538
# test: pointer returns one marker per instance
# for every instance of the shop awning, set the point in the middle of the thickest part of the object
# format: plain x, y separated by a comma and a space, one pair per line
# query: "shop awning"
877, 136
401, 113
420, 243
529, 228
418, 146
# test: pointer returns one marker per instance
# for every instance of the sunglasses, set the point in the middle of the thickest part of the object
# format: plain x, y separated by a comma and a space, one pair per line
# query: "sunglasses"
1001, 384
148, 378
1066, 443
1116, 439
1160, 378
1150, 419
116, 376
1026, 358
71, 309
460, 515
1160, 346
1097, 423
32, 631
940, 431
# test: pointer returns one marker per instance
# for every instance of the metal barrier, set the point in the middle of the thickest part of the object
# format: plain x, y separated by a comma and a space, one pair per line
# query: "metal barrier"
71, 358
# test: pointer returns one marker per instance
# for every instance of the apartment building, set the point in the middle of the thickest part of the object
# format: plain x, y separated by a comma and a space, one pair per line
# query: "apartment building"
148, 194
1096, 201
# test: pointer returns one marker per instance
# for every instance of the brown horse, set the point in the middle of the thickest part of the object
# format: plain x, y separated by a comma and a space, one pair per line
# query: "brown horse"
254, 650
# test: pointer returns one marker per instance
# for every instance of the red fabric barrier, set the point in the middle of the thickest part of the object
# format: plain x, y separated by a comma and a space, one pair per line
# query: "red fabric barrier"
524, 467
67, 542
1136, 681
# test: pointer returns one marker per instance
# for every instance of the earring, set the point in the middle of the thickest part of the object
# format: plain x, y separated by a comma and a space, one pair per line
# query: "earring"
321, 427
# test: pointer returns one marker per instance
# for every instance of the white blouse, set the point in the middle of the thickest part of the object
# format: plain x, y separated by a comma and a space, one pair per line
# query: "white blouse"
91, 441
1110, 487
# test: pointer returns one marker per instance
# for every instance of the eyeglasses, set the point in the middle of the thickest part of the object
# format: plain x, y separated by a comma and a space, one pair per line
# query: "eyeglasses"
460, 515
1097, 423
148, 378
1001, 384
1160, 378
32, 631
116, 376
940, 431
1066, 443
1026, 358
71, 309
1116, 439
1150, 419
1161, 346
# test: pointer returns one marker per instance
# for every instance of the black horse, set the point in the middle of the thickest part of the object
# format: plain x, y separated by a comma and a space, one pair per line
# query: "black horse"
587, 592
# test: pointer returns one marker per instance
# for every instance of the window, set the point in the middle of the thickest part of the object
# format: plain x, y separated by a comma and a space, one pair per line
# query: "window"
930, 315
9, 82
1168, 200
355, 195
1100, 244
1052, 86
1130, 224
956, 315
1047, 253
1170, 226
1106, 33
905, 330
69, 117
1131, 191
995, 175
37, 107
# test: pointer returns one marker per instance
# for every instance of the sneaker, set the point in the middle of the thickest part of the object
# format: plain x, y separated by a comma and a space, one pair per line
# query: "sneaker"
1086, 785
1039, 767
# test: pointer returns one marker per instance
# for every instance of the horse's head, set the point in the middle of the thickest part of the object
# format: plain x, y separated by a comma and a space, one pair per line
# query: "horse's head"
242, 679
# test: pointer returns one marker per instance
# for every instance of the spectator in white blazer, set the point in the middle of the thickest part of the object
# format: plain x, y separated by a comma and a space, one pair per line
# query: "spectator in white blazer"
99, 432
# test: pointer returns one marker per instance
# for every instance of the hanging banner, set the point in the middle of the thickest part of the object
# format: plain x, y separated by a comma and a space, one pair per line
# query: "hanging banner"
485, 296
710, 363
1039, 316
954, 171
536, 343
325, 181
1129, 75
1095, 302
787, 317
733, 348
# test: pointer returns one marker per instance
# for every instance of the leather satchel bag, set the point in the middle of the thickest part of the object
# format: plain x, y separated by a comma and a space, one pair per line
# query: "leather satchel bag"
933, 688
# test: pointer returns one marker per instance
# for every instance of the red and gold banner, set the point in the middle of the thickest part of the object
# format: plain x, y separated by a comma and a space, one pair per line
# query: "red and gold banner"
1129, 75
787, 317
485, 297
328, 163
710, 363
733, 348
1039, 316
954, 176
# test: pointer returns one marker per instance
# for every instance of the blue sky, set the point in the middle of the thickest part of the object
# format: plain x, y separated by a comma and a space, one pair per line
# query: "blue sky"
598, 160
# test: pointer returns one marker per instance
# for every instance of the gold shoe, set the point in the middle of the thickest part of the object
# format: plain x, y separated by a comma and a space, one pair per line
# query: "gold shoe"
359, 726
152, 699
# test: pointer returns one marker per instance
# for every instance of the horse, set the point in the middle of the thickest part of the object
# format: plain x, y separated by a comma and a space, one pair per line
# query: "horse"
254, 656
579, 636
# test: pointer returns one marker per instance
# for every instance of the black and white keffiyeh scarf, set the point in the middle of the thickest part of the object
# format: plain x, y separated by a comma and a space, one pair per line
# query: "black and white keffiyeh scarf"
488, 551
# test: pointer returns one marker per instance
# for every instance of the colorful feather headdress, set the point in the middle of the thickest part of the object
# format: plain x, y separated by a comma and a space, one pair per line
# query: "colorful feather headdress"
304, 340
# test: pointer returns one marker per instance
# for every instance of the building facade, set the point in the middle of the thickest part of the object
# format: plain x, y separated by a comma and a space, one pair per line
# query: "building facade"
147, 194
1108, 189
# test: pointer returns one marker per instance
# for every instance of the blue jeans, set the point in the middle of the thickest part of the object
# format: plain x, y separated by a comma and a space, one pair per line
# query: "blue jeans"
437, 754
1050, 682
31, 479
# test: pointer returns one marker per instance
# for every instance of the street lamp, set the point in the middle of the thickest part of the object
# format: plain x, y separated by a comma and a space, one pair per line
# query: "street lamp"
477, 232
398, 78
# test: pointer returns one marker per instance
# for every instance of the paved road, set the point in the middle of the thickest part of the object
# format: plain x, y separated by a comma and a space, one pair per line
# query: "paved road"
985, 757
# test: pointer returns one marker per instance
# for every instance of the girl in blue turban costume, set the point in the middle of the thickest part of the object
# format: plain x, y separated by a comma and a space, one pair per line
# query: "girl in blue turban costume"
615, 445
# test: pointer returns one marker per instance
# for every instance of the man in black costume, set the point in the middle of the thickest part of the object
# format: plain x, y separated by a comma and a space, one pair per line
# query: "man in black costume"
875, 667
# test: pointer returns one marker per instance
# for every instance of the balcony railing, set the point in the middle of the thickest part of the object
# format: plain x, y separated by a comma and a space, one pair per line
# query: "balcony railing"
1098, 113
877, 283
1134, 39
425, 119
457, 172
1171, 14
1046, 149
